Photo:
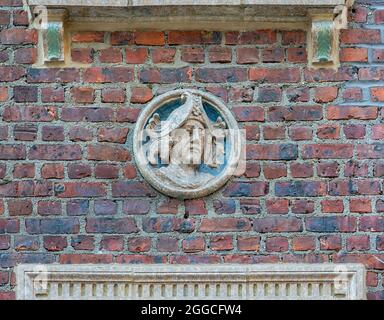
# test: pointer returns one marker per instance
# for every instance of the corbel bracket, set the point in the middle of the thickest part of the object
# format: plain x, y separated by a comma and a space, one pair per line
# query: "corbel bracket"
323, 38
52, 23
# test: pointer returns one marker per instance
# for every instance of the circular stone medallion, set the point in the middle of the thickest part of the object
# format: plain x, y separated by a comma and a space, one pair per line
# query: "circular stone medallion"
187, 144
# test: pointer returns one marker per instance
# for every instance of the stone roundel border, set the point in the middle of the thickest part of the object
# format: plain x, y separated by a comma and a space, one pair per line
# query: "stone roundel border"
234, 142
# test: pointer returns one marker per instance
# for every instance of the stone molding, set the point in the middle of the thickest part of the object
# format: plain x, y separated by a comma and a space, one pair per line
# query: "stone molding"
322, 19
189, 282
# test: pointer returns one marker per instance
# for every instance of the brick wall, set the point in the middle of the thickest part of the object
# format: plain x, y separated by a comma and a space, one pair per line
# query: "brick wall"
313, 188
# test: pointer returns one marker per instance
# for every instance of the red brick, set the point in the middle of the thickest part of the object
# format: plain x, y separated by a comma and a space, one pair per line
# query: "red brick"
330, 75
296, 37
327, 224
358, 243
9, 74
79, 170
277, 206
167, 244
251, 37
103, 152
221, 75
80, 189
252, 132
110, 55
149, 38
359, 14
330, 242
351, 112
302, 170
163, 55
52, 95
297, 55
60, 75
141, 95
194, 37
24, 170
252, 170
295, 113
121, 38
170, 206
112, 243
82, 55
304, 243
3, 94
221, 243
328, 169
372, 224
55, 152
272, 152
220, 54
108, 74
378, 55
302, 206
113, 95
374, 73
248, 243
81, 258
166, 75
277, 224
241, 94
26, 55
88, 36
300, 133
83, 242
20, 207
325, 94
225, 225
129, 171
356, 169
246, 189
193, 244
25, 94
377, 94
354, 36
111, 225
224, 206
354, 55
115, 135
274, 75
52, 133
274, 133
276, 244
245, 114
360, 205
193, 54
273, 55
46, 208
140, 244
247, 55
131, 189
136, 56
327, 151
18, 36
274, 170
55, 243
379, 16
195, 207
300, 188
106, 171
52, 171
353, 94
332, 206
269, 94
354, 131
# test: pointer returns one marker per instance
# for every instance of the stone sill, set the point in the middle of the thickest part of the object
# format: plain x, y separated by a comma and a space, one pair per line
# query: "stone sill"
142, 3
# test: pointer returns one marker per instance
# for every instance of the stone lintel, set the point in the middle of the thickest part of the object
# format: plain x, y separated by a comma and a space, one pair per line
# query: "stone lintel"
296, 281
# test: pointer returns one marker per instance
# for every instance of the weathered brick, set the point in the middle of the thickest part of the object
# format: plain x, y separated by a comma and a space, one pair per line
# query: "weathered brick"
131, 189
195, 207
167, 244
139, 244
246, 189
52, 225
274, 75
225, 225
112, 243
251, 37
46, 208
110, 55
108, 74
55, 152
193, 244
300, 188
103, 152
88, 36
272, 152
111, 225
221, 243
331, 224
276, 244
55, 243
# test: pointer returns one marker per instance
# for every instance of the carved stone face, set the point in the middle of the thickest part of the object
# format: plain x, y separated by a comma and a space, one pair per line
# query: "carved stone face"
188, 145
183, 146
